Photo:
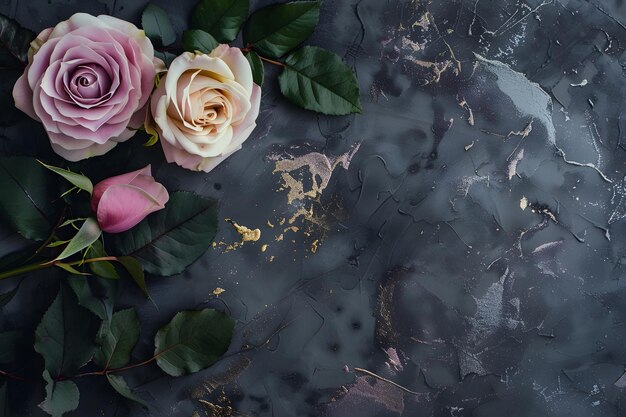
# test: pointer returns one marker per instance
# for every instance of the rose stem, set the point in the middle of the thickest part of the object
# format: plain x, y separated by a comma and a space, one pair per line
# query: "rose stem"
280, 64
37, 267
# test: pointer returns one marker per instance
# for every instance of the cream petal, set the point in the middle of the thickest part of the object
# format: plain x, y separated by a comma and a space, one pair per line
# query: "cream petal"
238, 64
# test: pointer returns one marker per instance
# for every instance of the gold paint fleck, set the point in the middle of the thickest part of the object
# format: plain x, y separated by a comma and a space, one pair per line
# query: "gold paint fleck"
270, 224
247, 234
523, 203
314, 246
218, 291
264, 248
279, 237
272, 258
470, 146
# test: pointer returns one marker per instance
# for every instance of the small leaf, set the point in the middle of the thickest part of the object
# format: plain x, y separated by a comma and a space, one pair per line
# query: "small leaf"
8, 346
154, 135
57, 243
220, 18
193, 341
157, 25
118, 340
61, 396
171, 239
100, 303
65, 335
5, 298
122, 388
70, 268
15, 38
28, 197
135, 270
318, 80
258, 71
103, 269
88, 233
78, 180
199, 40
279, 28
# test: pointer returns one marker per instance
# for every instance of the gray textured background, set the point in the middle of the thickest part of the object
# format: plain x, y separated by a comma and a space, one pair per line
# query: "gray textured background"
427, 271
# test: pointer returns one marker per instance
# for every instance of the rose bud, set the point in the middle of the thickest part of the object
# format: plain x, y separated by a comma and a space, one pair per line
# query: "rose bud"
121, 202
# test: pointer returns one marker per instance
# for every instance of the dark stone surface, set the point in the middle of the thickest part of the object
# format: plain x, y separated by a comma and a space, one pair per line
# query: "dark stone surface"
426, 271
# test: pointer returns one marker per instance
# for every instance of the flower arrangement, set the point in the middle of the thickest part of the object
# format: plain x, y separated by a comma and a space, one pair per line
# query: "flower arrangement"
94, 82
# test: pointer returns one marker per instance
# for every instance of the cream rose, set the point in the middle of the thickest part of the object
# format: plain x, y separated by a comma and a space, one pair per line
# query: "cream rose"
205, 107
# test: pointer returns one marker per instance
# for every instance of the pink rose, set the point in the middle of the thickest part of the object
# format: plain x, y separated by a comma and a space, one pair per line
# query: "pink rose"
88, 80
205, 107
121, 202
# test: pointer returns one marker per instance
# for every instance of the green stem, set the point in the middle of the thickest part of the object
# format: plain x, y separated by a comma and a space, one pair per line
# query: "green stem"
36, 267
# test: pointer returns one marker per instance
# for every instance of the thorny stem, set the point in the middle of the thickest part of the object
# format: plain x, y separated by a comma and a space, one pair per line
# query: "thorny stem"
52, 234
40, 266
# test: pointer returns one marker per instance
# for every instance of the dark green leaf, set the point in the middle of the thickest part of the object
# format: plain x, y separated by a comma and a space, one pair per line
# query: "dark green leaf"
103, 269
16, 39
220, 18
199, 40
193, 341
94, 294
78, 180
122, 388
69, 268
8, 346
166, 57
171, 239
61, 396
118, 340
258, 72
318, 80
28, 195
88, 233
135, 270
277, 29
157, 25
65, 335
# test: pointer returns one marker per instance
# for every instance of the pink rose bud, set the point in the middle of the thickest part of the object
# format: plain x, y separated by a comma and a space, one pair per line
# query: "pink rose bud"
121, 202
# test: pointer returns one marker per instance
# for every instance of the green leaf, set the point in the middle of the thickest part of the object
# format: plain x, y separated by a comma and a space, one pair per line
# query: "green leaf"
318, 80
103, 269
101, 303
277, 29
118, 340
135, 270
171, 239
78, 180
15, 38
193, 341
122, 388
69, 268
220, 18
199, 40
65, 335
88, 233
258, 71
157, 25
61, 396
28, 195
8, 346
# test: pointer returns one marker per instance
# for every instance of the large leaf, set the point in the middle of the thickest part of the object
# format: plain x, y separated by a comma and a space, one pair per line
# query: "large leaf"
318, 80
96, 295
118, 340
16, 39
8, 346
28, 195
157, 25
88, 233
193, 341
277, 29
61, 396
65, 336
220, 18
199, 40
171, 239
258, 71
122, 388
77, 180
